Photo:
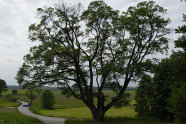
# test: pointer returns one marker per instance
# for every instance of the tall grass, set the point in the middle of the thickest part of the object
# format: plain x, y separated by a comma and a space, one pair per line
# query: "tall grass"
7, 103
12, 116
17, 118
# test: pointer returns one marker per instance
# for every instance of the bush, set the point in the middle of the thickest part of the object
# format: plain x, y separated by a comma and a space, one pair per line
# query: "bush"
143, 96
124, 101
47, 99
177, 102
14, 92
12, 98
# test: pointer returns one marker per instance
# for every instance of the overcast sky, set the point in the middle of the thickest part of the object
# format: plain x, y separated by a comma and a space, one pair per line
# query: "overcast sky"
17, 15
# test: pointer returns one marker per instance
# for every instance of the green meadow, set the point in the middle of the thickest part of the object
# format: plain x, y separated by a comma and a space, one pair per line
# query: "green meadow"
77, 113
6, 103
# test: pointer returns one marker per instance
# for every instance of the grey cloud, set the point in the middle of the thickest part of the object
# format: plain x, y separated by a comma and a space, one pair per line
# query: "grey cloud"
7, 30
17, 15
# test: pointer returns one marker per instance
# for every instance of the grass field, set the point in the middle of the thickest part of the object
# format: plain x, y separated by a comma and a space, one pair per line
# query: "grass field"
117, 121
84, 112
70, 107
6, 103
10, 115
78, 113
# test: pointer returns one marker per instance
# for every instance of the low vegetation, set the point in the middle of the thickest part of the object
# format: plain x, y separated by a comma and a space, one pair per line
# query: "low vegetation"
10, 115
47, 99
7, 103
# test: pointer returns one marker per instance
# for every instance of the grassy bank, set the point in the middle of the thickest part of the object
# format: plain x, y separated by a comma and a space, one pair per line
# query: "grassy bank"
117, 121
10, 115
7, 103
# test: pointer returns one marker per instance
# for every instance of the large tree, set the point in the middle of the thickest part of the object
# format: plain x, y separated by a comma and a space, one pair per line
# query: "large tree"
3, 86
98, 46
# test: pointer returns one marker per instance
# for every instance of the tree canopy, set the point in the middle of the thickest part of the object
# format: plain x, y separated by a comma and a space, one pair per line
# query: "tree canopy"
96, 47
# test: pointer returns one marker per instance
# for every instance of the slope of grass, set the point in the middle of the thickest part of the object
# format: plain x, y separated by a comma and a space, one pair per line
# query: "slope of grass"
7, 103
118, 121
12, 116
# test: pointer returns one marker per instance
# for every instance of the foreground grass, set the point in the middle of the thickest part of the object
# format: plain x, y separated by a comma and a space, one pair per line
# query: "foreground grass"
12, 115
117, 121
7, 103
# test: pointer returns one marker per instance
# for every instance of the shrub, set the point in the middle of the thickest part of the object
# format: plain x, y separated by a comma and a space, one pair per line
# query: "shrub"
12, 98
47, 99
14, 92
177, 102
124, 101
143, 96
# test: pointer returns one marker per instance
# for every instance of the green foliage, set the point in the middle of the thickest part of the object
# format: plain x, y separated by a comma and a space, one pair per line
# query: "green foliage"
6, 103
163, 79
32, 93
124, 101
177, 102
181, 41
14, 92
169, 73
12, 98
47, 99
143, 97
3, 86
162, 100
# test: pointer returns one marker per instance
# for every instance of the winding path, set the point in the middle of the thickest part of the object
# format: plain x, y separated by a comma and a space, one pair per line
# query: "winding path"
45, 119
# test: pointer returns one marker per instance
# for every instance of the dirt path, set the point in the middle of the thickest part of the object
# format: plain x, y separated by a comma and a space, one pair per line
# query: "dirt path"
45, 119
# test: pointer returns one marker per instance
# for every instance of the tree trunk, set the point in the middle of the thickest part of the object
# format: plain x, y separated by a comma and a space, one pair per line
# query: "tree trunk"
98, 115
30, 101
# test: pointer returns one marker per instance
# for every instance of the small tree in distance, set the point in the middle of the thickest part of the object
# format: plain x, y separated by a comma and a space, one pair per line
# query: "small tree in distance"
32, 93
3, 86
47, 99
14, 92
